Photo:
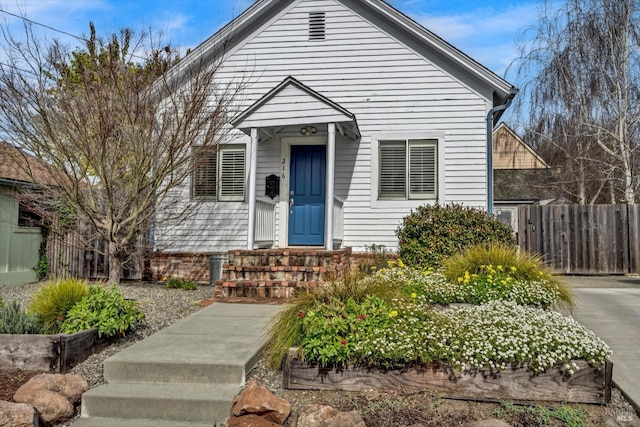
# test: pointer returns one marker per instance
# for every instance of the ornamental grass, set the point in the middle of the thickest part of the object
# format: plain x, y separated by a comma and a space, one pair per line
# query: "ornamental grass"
504, 262
53, 301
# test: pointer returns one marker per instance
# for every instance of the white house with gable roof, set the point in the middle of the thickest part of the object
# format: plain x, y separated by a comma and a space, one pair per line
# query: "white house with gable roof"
353, 114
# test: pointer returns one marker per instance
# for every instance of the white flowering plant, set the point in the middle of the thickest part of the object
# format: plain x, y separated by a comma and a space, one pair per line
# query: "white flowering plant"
490, 285
494, 336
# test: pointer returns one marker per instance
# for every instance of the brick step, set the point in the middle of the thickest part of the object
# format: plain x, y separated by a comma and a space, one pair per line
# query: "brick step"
261, 288
288, 273
287, 257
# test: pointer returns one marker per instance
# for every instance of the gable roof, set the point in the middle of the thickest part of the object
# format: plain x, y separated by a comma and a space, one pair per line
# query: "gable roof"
387, 18
512, 152
310, 107
17, 167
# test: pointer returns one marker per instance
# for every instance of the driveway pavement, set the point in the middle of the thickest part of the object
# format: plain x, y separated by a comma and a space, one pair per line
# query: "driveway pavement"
610, 307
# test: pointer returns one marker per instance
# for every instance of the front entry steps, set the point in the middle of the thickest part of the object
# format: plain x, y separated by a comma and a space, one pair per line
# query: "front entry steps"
185, 375
276, 273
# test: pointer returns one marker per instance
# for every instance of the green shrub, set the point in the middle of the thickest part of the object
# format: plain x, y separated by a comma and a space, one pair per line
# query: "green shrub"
14, 320
52, 302
173, 283
42, 268
331, 330
178, 283
105, 309
189, 285
433, 233
1, 302
286, 329
498, 262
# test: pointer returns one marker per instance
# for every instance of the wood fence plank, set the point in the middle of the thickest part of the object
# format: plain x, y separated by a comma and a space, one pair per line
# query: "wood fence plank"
573, 239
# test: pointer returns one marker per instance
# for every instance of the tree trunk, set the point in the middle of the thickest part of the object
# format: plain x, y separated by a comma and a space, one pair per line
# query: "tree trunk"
115, 264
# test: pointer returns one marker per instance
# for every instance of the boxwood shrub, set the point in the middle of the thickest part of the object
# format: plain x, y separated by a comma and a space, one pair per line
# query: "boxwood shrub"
433, 233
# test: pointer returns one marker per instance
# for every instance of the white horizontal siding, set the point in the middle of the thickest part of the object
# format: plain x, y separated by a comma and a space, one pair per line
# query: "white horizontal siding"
207, 226
388, 86
292, 106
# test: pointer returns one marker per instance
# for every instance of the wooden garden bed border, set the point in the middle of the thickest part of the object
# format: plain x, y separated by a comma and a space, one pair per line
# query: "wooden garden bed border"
53, 353
588, 385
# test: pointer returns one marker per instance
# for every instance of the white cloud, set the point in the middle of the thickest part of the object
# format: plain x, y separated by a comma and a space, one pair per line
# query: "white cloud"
487, 34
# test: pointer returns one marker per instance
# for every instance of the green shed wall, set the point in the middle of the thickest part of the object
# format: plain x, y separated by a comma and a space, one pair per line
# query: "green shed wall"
18, 246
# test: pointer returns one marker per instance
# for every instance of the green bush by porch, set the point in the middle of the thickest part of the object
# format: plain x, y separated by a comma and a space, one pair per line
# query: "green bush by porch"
432, 233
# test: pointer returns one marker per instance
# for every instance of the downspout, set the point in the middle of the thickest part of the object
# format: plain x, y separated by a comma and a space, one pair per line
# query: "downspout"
499, 108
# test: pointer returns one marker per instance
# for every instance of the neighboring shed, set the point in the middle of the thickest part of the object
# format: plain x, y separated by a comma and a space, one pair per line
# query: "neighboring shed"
520, 175
19, 242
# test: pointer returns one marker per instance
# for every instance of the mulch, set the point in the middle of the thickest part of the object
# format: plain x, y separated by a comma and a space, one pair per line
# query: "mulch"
11, 380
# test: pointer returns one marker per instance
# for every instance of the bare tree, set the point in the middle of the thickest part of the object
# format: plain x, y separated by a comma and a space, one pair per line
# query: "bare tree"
579, 69
118, 131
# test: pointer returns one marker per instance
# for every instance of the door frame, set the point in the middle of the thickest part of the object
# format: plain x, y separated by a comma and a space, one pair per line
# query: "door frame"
285, 168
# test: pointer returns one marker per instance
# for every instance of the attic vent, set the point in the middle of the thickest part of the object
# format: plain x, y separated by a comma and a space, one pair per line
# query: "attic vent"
317, 26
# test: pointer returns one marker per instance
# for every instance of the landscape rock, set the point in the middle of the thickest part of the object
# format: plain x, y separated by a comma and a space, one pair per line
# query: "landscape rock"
52, 407
256, 399
250, 420
70, 386
491, 422
326, 416
17, 415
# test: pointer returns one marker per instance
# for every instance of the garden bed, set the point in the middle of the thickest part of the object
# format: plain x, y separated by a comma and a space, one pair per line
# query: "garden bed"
587, 385
52, 353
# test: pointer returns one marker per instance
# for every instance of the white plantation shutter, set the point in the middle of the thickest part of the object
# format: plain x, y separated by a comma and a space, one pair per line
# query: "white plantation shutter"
393, 170
422, 169
232, 176
204, 180
408, 169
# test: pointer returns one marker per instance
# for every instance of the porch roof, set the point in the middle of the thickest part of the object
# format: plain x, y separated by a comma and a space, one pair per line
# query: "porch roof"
292, 103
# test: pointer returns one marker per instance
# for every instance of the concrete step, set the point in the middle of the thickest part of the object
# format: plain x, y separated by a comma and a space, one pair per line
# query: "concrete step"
211, 346
202, 403
189, 359
134, 422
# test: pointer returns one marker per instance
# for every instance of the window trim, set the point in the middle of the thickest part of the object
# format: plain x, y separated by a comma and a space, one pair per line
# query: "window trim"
218, 197
376, 139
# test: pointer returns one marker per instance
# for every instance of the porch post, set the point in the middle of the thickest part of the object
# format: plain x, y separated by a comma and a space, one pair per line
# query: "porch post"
253, 164
331, 167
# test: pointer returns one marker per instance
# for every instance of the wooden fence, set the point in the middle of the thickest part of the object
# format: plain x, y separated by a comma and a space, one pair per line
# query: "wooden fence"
575, 239
79, 253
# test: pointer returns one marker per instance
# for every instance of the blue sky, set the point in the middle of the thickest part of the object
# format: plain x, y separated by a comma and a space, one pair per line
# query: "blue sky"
483, 29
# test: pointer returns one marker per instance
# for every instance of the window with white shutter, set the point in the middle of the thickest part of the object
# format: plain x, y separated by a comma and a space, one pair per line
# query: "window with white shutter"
204, 178
422, 169
408, 169
220, 174
393, 170
232, 176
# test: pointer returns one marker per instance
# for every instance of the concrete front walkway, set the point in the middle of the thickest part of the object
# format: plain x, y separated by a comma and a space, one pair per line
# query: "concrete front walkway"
186, 374
610, 307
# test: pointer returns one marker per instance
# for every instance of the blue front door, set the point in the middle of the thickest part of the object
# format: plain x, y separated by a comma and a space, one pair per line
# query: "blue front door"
307, 195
